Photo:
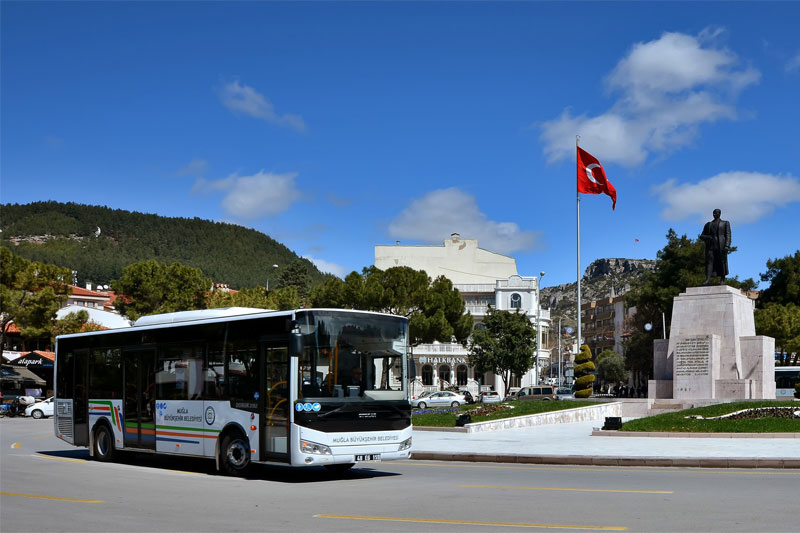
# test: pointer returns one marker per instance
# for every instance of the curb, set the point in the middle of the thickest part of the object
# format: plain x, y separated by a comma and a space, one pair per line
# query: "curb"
586, 460
688, 435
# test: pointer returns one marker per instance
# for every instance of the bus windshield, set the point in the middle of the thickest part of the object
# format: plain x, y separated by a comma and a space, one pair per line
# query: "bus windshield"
352, 357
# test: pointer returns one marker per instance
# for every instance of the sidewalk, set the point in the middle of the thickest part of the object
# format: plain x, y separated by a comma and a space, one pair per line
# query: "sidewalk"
573, 443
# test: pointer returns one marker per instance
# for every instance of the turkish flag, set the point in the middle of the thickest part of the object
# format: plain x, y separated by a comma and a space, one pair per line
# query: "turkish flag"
592, 178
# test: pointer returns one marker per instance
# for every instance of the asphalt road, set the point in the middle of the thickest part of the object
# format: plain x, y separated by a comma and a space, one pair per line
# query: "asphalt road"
47, 485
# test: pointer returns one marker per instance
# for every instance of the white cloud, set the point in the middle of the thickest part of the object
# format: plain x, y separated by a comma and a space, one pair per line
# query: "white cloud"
793, 63
742, 196
439, 213
196, 168
243, 99
327, 266
666, 89
249, 197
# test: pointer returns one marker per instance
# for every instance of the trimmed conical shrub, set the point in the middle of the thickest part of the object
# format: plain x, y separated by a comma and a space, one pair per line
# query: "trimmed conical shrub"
584, 373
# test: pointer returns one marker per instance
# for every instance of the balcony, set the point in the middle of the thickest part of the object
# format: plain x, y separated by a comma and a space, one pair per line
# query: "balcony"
476, 310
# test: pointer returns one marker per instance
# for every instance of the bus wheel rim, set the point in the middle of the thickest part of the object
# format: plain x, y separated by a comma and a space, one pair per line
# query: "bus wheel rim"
237, 454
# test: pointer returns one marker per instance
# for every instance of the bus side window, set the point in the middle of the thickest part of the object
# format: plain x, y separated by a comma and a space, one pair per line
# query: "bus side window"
105, 373
180, 372
242, 371
214, 374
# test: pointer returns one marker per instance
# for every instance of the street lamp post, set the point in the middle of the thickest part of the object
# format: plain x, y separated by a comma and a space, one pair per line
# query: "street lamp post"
538, 323
268, 272
559, 351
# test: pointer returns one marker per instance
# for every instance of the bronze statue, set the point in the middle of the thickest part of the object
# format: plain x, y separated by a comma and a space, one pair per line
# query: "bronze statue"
717, 236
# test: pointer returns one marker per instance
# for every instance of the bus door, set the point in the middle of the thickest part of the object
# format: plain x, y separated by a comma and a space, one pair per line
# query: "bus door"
277, 404
139, 399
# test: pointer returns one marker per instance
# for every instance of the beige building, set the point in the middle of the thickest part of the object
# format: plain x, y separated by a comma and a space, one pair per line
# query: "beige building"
484, 278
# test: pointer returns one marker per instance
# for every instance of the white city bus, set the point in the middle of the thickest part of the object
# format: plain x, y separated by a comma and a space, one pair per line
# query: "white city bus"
240, 386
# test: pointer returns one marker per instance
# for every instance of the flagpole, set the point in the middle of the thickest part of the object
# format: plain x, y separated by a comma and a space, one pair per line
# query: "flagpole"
578, 204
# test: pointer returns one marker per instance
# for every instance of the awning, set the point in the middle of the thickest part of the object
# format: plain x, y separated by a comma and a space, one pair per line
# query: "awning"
20, 374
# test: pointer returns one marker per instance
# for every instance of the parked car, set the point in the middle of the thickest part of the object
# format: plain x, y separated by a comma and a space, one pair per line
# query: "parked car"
565, 393
511, 394
422, 395
41, 409
543, 392
439, 399
490, 396
467, 396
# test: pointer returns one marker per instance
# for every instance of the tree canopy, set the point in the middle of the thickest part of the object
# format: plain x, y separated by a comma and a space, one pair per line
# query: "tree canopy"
151, 287
505, 344
435, 309
610, 367
782, 322
783, 275
30, 295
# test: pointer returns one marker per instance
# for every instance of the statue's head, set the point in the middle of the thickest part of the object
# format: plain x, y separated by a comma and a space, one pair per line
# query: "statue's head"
717, 213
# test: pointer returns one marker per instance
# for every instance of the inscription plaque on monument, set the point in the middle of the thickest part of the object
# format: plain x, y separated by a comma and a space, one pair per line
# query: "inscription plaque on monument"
693, 356
695, 365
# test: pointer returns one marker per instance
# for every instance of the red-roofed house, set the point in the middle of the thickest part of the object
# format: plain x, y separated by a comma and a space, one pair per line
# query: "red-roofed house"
87, 297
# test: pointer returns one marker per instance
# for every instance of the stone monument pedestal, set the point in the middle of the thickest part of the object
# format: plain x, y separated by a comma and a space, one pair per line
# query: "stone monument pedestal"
713, 351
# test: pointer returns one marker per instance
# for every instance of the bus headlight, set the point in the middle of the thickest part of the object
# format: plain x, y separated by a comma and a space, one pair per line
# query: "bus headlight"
307, 446
406, 444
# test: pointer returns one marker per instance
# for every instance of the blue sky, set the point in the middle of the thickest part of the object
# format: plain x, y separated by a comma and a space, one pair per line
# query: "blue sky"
334, 127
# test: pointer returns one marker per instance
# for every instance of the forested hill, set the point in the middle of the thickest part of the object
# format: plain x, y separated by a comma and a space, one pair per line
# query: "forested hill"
99, 242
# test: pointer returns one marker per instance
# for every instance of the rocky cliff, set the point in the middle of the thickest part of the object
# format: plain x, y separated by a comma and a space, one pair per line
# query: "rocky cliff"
601, 279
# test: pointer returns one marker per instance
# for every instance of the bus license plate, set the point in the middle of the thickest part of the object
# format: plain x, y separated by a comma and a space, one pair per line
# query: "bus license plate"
372, 458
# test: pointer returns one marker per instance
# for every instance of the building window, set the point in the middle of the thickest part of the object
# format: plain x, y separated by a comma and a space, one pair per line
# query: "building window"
444, 374
516, 301
427, 375
461, 375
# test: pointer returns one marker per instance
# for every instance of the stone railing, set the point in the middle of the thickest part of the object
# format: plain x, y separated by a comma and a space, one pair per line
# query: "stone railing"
579, 414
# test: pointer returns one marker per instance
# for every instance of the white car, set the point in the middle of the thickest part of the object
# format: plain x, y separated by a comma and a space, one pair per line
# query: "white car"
41, 409
439, 399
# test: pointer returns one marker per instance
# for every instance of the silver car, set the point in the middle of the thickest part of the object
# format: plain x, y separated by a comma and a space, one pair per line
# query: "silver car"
564, 393
491, 396
439, 399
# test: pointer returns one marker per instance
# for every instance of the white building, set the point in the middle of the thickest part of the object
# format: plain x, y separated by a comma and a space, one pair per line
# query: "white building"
484, 278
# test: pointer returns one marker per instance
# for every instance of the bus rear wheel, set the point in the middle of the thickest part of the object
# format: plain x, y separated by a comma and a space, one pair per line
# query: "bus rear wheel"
235, 455
103, 445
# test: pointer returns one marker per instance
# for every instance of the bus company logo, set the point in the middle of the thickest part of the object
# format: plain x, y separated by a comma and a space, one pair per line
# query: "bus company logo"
160, 406
210, 415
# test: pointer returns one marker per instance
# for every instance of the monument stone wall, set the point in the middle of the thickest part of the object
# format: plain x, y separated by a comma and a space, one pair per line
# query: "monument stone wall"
713, 351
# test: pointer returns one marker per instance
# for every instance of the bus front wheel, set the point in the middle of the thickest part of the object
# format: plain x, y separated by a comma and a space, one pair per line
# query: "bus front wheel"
235, 455
103, 445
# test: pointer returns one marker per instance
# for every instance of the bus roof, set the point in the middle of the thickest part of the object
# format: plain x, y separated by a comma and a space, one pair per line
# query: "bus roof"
209, 315
199, 314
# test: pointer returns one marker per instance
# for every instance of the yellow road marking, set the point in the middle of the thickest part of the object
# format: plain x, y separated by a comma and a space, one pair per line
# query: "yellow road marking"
185, 472
48, 497
665, 470
16, 445
60, 458
471, 522
44, 436
566, 489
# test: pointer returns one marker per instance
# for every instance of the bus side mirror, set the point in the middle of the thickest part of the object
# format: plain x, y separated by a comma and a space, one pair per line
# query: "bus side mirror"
412, 369
295, 344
